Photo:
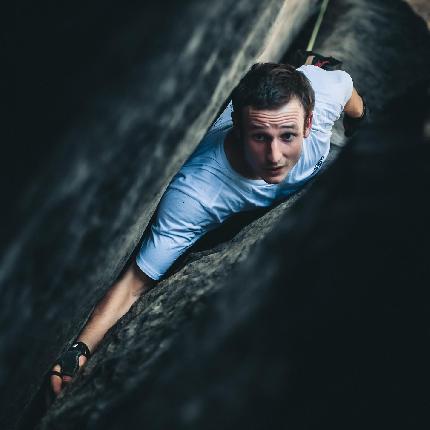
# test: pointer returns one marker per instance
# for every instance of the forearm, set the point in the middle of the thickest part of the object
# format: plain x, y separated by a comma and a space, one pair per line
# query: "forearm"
117, 302
107, 312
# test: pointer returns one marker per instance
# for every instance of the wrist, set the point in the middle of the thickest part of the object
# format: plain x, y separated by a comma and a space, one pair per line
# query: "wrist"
82, 347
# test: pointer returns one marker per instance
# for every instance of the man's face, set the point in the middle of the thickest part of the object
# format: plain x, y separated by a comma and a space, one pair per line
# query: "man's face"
273, 139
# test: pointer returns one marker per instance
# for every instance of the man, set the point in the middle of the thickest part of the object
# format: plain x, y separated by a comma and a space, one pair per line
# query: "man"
266, 145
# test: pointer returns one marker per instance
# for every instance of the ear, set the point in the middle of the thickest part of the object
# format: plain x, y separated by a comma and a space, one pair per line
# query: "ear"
308, 126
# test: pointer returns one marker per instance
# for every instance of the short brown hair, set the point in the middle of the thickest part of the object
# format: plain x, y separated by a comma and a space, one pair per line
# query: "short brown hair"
272, 85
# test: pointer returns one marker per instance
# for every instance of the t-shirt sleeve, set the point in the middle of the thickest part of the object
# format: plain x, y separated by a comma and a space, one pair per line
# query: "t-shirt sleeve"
180, 220
333, 89
224, 119
345, 86
332, 85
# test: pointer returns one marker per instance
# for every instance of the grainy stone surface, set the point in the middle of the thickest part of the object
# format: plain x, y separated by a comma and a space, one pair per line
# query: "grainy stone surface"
121, 94
295, 321
381, 44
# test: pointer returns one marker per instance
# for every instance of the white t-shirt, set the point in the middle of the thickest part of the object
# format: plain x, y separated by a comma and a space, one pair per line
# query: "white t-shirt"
206, 190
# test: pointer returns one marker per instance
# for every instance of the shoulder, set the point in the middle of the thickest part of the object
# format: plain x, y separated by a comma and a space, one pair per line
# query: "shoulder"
205, 174
319, 76
329, 84
195, 187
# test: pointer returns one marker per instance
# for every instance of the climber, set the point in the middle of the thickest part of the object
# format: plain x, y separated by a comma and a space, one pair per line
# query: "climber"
272, 139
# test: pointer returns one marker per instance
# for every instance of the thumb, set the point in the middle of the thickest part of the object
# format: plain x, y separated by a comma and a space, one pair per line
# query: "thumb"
82, 361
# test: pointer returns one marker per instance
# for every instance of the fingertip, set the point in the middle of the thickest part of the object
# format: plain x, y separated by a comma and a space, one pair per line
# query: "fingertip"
56, 384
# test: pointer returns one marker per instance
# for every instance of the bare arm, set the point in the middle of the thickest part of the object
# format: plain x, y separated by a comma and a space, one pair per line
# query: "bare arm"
117, 302
354, 106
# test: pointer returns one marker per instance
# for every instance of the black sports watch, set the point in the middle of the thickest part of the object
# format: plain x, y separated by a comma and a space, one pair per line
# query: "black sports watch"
82, 347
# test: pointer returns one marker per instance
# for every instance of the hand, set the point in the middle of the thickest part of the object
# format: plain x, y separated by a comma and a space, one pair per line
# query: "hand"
318, 60
58, 383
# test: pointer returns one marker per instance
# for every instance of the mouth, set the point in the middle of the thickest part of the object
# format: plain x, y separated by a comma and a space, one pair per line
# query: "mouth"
274, 170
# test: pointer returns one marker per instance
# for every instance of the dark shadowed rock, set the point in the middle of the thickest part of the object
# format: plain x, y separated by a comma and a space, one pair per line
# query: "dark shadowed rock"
325, 324
311, 316
113, 99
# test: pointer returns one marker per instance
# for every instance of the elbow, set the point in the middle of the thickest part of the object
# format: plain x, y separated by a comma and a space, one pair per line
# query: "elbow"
354, 108
141, 282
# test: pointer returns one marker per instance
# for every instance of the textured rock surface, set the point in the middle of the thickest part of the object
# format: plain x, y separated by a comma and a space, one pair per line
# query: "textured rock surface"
323, 326
379, 45
124, 93
294, 321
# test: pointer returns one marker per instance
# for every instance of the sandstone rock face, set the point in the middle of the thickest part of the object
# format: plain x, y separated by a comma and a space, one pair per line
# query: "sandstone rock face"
130, 91
307, 317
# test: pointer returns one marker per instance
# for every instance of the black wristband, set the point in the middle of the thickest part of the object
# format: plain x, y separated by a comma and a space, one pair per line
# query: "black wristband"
82, 348
351, 124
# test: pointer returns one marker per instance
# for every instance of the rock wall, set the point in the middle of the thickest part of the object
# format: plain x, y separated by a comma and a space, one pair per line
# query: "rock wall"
294, 321
116, 97
322, 322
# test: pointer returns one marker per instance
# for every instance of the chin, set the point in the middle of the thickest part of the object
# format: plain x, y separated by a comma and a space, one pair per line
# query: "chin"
275, 179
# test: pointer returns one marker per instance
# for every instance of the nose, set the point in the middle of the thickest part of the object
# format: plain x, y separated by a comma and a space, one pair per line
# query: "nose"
274, 154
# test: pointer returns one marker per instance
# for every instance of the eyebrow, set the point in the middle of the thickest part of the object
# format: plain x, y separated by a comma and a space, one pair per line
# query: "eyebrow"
291, 126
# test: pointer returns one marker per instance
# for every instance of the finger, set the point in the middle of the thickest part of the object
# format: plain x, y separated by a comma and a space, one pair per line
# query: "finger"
56, 381
66, 379
82, 361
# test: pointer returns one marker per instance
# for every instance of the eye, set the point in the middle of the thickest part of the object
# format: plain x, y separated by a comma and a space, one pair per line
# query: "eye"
259, 137
288, 137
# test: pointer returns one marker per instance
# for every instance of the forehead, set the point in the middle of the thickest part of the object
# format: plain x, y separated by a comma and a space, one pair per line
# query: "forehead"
291, 113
